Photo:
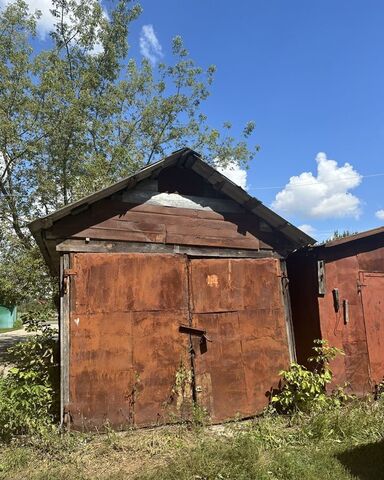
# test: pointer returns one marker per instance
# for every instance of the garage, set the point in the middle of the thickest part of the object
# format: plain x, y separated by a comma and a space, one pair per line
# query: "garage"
174, 296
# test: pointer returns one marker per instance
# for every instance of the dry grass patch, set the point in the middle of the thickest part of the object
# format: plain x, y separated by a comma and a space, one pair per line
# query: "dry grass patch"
338, 444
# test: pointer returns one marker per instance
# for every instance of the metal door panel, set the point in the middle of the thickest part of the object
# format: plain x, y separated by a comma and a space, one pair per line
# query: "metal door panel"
136, 282
159, 352
224, 285
235, 371
125, 347
372, 288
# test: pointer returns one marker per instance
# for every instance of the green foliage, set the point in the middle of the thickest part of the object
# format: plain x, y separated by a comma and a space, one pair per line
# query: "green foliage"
340, 234
305, 390
335, 444
24, 278
29, 390
80, 113
302, 446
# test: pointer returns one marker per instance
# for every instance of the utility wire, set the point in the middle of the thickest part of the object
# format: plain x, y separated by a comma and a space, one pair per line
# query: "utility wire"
343, 179
317, 183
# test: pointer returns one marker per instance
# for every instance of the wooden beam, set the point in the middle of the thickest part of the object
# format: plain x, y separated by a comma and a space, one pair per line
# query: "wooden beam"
64, 340
288, 311
100, 246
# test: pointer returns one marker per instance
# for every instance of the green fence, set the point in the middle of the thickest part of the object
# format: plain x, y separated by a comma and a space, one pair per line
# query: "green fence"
7, 316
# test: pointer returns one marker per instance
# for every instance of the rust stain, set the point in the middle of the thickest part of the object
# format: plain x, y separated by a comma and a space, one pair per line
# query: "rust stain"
356, 269
373, 308
130, 364
245, 320
125, 350
212, 281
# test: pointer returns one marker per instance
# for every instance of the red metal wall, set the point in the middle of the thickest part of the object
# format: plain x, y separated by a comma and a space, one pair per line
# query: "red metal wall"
348, 268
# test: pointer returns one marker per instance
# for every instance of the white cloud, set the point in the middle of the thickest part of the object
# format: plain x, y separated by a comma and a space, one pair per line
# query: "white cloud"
150, 46
47, 21
325, 195
235, 173
308, 229
380, 214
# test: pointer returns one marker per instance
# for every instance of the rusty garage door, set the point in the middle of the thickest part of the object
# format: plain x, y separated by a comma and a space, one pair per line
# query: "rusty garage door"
125, 345
373, 307
150, 333
238, 303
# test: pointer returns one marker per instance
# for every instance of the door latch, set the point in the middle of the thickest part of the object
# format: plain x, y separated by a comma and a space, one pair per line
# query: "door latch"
197, 332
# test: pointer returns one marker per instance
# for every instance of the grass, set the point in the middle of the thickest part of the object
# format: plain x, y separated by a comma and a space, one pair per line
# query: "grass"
341, 444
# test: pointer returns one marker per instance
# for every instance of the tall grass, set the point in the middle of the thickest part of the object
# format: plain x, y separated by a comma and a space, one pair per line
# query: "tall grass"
345, 443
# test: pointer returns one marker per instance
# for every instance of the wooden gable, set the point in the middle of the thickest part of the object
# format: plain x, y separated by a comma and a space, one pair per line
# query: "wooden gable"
174, 207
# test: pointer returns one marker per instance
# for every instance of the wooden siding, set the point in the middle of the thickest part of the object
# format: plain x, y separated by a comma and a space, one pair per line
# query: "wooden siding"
116, 220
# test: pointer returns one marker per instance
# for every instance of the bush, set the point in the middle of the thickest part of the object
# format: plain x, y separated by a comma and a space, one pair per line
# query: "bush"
305, 390
28, 392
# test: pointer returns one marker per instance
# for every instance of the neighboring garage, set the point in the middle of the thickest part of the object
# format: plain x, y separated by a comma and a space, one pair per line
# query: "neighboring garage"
337, 293
173, 293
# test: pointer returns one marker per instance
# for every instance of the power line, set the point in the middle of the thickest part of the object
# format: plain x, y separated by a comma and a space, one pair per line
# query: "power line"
317, 183
372, 175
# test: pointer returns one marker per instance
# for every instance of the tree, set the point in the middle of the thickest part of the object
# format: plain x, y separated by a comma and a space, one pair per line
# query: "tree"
81, 114
340, 234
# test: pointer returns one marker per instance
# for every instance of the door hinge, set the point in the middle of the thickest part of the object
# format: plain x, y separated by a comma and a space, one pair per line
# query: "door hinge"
67, 418
360, 286
68, 272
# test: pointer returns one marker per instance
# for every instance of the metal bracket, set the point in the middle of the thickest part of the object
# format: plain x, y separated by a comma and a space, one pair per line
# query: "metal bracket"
68, 272
359, 286
197, 332
321, 276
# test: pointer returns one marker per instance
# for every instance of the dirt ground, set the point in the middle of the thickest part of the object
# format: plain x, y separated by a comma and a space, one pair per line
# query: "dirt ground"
10, 338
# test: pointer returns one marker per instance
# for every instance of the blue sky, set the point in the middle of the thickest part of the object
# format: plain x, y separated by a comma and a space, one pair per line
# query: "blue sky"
311, 75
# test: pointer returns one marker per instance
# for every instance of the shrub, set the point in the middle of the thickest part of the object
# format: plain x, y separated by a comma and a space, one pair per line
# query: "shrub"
305, 390
28, 392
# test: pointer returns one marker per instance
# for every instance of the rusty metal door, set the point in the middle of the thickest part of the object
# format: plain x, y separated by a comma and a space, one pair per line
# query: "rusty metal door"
373, 307
238, 303
130, 362
125, 348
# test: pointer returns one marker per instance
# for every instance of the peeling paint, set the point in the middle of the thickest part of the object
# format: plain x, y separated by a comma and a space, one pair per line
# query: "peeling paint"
212, 281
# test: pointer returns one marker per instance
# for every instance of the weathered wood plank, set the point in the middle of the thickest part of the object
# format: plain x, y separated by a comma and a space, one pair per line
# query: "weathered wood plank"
64, 339
113, 220
158, 227
139, 223
181, 201
136, 220
130, 212
100, 246
213, 241
122, 235
288, 310
177, 212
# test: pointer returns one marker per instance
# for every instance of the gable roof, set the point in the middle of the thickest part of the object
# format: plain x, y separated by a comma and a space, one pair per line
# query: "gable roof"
189, 159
